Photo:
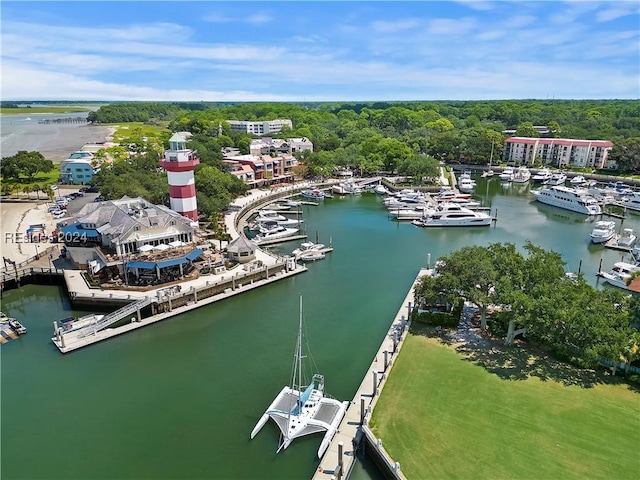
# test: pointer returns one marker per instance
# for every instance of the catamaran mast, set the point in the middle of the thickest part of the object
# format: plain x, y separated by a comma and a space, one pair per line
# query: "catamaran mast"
299, 359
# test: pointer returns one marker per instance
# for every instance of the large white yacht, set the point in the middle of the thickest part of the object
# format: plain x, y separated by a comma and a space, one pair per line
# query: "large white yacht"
574, 199
466, 183
274, 233
507, 174
603, 231
453, 215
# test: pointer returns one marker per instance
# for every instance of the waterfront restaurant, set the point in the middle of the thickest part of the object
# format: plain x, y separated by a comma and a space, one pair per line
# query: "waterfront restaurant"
113, 232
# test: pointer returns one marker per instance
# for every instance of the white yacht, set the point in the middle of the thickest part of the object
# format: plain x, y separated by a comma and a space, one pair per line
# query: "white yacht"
266, 225
507, 174
306, 247
578, 180
453, 215
466, 183
303, 408
542, 176
266, 215
521, 175
71, 324
620, 274
631, 201
574, 199
311, 256
275, 233
627, 239
347, 188
411, 213
380, 189
313, 193
603, 231
557, 178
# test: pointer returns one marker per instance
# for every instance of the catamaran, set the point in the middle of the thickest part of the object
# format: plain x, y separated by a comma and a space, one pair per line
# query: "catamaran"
301, 409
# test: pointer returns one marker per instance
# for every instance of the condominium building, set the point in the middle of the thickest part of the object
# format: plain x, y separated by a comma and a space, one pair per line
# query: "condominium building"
266, 169
558, 152
278, 146
260, 128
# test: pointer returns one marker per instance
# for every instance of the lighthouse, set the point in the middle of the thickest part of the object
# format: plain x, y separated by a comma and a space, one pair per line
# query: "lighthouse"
179, 162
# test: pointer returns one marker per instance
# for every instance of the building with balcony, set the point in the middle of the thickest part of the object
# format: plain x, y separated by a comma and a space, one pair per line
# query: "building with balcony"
279, 146
77, 169
266, 169
558, 152
259, 128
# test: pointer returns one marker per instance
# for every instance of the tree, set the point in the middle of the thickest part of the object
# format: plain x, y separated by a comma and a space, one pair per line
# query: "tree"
626, 154
525, 129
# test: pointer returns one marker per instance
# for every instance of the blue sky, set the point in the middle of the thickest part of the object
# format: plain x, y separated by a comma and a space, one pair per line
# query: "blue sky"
320, 51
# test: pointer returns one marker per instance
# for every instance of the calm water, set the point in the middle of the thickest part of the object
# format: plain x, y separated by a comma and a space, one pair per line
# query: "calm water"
179, 399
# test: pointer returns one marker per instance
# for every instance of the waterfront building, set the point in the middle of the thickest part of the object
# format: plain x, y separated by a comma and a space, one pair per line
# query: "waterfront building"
260, 127
279, 146
180, 163
109, 232
558, 152
242, 250
77, 169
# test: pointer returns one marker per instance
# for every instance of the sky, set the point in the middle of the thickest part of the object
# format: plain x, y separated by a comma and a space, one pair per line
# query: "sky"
319, 51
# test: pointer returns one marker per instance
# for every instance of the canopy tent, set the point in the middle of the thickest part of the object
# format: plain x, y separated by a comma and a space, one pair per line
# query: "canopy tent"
177, 243
145, 248
161, 247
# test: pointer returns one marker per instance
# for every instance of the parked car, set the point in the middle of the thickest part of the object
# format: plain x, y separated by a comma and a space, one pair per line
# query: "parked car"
59, 214
93, 189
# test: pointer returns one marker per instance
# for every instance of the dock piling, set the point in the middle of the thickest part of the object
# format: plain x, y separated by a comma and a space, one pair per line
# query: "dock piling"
340, 462
375, 383
363, 411
386, 360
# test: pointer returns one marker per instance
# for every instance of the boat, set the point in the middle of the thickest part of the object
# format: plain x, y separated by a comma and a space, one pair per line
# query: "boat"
453, 215
410, 213
275, 233
466, 183
574, 199
603, 231
627, 239
578, 180
14, 324
542, 176
521, 175
347, 188
313, 193
303, 407
266, 215
489, 173
557, 178
265, 225
620, 274
306, 247
381, 189
311, 256
507, 174
447, 194
630, 201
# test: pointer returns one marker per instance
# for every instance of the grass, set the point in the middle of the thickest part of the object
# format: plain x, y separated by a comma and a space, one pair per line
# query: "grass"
444, 414
126, 130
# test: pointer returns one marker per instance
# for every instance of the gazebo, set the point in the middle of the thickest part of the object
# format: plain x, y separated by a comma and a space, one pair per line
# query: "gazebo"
242, 250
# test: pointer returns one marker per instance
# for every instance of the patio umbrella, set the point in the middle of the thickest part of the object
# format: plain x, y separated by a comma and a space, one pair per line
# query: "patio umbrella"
162, 246
177, 243
145, 248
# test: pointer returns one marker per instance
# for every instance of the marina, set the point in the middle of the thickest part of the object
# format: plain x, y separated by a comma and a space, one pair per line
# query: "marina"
202, 356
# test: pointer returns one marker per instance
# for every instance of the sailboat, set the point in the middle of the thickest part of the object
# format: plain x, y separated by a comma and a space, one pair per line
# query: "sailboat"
489, 173
301, 409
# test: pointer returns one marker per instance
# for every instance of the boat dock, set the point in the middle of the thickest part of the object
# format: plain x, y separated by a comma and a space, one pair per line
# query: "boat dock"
339, 458
7, 333
167, 302
275, 241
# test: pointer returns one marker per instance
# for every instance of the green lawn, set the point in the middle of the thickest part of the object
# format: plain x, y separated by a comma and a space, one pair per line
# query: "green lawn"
447, 415
125, 130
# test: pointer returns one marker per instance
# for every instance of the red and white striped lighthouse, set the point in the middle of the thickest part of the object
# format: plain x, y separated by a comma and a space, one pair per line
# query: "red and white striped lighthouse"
179, 162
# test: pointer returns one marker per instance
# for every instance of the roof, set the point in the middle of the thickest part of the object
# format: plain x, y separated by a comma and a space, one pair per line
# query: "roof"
241, 244
171, 262
195, 253
75, 232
